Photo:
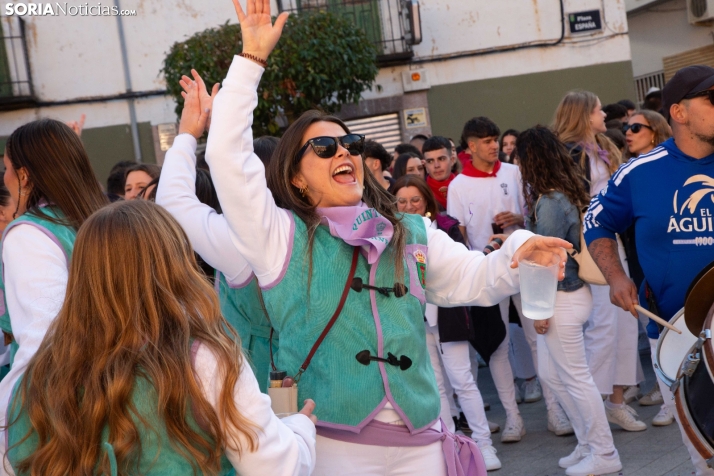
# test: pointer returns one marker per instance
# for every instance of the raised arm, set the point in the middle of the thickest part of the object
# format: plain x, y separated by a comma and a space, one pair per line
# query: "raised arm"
208, 231
459, 277
259, 229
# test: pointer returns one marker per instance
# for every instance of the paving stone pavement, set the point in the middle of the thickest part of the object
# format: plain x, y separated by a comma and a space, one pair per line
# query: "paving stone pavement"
657, 451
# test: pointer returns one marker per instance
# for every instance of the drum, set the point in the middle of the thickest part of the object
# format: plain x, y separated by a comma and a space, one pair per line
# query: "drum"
693, 394
672, 348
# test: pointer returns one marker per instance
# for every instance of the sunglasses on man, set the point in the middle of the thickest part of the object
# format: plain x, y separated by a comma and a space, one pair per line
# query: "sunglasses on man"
706, 92
325, 147
636, 128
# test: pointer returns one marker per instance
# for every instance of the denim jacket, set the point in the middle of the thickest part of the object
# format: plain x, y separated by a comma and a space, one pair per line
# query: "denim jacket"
558, 217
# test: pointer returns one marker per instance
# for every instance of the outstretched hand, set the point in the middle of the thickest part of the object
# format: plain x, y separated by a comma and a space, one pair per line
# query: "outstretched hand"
194, 117
259, 34
544, 243
205, 99
77, 126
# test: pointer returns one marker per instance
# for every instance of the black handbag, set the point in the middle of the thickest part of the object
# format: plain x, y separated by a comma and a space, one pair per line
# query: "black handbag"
489, 330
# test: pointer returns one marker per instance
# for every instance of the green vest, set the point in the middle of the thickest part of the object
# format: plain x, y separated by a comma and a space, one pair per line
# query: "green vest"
158, 456
62, 235
345, 391
241, 307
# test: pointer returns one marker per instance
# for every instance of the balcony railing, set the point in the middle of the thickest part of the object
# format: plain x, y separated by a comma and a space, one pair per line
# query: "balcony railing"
15, 77
384, 22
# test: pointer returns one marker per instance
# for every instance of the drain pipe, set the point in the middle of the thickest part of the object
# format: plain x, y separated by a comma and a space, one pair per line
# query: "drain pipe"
127, 83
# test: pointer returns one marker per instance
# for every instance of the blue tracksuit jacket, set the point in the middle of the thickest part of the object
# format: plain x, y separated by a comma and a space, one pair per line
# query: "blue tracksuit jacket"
670, 198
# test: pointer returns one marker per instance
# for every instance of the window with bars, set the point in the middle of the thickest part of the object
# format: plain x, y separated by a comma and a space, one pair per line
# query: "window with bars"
644, 83
385, 22
15, 78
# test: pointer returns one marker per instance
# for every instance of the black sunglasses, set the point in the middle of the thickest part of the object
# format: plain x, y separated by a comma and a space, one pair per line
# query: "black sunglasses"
326, 147
706, 92
636, 128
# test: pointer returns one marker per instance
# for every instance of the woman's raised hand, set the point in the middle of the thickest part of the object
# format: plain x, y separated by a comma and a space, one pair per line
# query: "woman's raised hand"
205, 99
193, 117
259, 34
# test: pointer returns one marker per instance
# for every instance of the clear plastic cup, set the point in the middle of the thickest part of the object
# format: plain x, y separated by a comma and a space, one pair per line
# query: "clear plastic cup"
539, 283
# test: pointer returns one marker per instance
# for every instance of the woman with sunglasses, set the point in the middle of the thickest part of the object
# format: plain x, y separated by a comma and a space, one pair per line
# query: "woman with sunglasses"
344, 277
644, 131
610, 336
449, 329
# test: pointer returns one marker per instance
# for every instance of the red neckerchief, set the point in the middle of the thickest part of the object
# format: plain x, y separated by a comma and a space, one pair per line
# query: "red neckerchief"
464, 157
440, 188
471, 171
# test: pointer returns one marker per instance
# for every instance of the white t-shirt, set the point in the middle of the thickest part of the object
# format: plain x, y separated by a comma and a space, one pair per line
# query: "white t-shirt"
599, 174
475, 201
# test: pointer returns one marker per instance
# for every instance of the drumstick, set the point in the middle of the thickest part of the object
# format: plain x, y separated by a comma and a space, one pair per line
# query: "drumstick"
657, 319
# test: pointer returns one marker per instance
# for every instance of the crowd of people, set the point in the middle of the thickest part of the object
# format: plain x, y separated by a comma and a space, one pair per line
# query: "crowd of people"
145, 325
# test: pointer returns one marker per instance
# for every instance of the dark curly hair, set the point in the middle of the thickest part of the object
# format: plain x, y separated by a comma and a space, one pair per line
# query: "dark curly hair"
547, 166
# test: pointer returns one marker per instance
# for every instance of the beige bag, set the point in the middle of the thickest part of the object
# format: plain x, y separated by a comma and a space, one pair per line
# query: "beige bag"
587, 269
283, 399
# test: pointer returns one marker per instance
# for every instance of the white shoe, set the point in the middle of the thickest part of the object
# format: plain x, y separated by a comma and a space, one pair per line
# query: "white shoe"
514, 431
631, 393
519, 398
559, 423
490, 458
626, 417
663, 418
494, 427
578, 454
533, 393
596, 465
653, 397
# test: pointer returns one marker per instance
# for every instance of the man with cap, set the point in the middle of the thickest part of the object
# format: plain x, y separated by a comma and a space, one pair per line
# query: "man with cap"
668, 194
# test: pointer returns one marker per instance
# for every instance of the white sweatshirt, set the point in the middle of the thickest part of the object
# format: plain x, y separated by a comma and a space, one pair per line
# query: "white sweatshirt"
260, 230
35, 274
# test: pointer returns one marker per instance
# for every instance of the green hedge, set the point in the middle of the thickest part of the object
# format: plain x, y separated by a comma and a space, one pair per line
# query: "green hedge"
321, 61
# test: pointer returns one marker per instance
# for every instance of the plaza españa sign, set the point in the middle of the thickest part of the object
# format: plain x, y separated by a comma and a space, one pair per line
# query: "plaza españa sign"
585, 22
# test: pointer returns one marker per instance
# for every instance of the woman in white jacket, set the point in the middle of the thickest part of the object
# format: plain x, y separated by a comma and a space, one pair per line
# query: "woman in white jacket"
366, 366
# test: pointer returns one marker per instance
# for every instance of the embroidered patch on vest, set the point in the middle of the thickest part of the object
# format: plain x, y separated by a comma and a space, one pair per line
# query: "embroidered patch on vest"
420, 257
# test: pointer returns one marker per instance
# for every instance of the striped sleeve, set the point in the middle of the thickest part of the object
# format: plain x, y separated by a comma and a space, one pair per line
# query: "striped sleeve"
610, 211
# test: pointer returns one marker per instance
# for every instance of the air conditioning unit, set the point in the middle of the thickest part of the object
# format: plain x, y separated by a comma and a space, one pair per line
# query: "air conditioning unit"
700, 11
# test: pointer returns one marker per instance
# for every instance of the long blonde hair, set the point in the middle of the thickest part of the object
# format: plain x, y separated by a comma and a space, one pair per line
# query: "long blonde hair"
572, 124
135, 302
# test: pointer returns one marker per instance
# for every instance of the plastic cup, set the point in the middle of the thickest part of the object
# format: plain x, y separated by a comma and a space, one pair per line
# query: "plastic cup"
539, 283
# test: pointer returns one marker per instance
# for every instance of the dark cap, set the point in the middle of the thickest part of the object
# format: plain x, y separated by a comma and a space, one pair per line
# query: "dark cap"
691, 79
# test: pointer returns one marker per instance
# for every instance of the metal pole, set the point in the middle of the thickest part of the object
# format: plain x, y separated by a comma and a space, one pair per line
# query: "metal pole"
127, 82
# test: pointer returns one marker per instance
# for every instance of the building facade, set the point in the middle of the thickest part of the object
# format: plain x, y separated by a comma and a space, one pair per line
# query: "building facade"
510, 60
666, 36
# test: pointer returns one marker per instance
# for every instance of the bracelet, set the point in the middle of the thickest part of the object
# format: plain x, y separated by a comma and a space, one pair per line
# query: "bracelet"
254, 58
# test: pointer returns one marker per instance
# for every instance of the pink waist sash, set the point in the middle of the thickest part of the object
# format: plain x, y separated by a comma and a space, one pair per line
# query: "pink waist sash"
462, 456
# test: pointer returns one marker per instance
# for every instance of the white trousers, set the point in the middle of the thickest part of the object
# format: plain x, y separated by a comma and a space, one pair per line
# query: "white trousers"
350, 459
519, 353
611, 337
532, 339
699, 463
455, 357
501, 371
563, 365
